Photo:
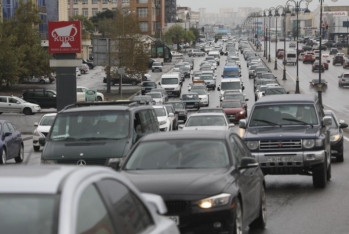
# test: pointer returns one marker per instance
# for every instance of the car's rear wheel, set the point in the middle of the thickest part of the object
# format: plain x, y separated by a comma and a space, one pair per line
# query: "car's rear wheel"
261, 221
3, 157
27, 111
36, 148
99, 98
20, 156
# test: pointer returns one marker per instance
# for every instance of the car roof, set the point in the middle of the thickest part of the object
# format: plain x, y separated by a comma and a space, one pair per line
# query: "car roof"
48, 179
158, 107
207, 114
50, 114
231, 100
190, 134
291, 98
210, 108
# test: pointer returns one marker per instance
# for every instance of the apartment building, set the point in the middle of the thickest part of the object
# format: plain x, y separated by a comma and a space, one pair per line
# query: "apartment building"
89, 8
170, 11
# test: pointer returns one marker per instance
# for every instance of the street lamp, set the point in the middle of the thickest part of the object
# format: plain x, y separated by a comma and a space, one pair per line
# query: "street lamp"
297, 9
265, 34
276, 15
270, 15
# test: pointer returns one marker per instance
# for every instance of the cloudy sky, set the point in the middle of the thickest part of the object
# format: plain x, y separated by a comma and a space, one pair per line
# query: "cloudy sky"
214, 5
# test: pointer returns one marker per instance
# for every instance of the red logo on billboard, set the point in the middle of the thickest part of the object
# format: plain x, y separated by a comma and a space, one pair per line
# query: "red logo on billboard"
64, 37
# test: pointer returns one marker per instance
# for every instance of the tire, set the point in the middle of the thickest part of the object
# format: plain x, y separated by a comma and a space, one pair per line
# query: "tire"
83, 72
36, 148
134, 83
20, 156
99, 98
27, 111
237, 227
4, 157
0, 113
340, 156
261, 221
320, 175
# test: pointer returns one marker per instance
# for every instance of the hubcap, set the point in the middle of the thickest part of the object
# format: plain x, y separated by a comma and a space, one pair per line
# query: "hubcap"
3, 157
264, 206
238, 222
22, 153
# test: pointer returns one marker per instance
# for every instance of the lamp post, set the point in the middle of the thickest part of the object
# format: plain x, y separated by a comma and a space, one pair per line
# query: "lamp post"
276, 15
269, 14
265, 35
297, 5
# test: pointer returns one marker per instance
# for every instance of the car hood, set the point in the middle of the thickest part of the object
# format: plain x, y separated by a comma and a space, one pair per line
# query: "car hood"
206, 128
203, 96
84, 149
191, 100
232, 110
167, 183
43, 129
162, 118
284, 132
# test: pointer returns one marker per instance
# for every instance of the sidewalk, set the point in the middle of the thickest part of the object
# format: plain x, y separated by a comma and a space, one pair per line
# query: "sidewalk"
26, 137
289, 84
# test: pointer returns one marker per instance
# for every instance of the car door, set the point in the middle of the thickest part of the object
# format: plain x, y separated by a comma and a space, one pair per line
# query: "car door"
14, 105
4, 107
16, 139
129, 214
50, 99
9, 141
245, 180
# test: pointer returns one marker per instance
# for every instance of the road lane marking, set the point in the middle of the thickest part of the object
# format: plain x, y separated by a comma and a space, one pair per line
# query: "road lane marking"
346, 138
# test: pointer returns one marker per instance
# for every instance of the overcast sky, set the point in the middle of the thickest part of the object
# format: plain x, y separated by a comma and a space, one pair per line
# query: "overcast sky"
213, 6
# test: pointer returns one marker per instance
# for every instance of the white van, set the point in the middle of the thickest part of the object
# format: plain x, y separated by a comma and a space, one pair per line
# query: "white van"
171, 82
230, 84
291, 57
216, 55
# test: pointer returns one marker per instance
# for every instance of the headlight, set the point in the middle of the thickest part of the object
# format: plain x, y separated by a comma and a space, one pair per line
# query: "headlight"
308, 143
162, 122
242, 112
47, 162
335, 137
252, 145
218, 200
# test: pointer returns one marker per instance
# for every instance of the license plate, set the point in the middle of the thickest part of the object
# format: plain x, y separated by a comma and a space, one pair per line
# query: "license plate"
174, 219
281, 159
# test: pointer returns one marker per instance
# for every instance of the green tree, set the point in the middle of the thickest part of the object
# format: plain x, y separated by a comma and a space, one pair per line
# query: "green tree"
174, 34
87, 26
189, 36
101, 19
196, 32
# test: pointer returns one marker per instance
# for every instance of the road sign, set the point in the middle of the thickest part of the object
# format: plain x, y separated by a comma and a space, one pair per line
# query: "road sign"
90, 95
121, 71
64, 37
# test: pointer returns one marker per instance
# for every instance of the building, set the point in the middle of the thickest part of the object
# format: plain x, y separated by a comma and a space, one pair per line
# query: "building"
89, 8
170, 11
195, 19
63, 14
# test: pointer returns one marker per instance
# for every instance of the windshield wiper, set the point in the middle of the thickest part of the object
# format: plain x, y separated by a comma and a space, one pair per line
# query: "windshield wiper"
298, 121
94, 138
268, 122
186, 167
64, 138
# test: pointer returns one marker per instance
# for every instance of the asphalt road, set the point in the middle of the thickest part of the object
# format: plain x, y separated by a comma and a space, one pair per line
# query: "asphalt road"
293, 205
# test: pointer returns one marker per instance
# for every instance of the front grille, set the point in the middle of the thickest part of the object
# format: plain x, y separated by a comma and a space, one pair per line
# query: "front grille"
89, 162
284, 144
169, 88
232, 115
174, 207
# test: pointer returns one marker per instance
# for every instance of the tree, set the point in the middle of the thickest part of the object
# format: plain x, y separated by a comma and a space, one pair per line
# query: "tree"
174, 34
196, 32
101, 17
87, 26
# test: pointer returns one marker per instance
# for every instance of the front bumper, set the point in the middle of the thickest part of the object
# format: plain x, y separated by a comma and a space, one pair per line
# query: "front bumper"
337, 146
164, 127
288, 162
36, 110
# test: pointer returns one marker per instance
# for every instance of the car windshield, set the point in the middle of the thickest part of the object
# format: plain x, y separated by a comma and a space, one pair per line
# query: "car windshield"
166, 81
156, 64
178, 105
285, 114
47, 120
206, 120
169, 109
160, 112
267, 76
231, 104
210, 110
200, 91
88, 125
262, 88
185, 69
205, 77
148, 84
179, 154
189, 96
28, 214
230, 85
154, 95
275, 91
141, 98
260, 69
231, 73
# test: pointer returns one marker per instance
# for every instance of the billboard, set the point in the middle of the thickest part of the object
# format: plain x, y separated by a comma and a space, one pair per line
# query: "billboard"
64, 37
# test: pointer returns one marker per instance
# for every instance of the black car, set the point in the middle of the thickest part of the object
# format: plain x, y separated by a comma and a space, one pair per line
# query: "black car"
307, 48
125, 80
336, 136
180, 108
338, 59
89, 63
191, 100
208, 179
43, 97
147, 86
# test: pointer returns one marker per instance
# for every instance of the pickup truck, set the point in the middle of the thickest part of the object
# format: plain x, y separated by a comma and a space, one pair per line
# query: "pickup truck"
196, 53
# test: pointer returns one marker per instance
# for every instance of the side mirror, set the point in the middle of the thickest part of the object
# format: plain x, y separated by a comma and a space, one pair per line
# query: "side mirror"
7, 134
243, 88
42, 141
327, 120
36, 124
342, 124
171, 115
248, 162
242, 123
218, 89
159, 83
247, 99
156, 202
180, 126
240, 75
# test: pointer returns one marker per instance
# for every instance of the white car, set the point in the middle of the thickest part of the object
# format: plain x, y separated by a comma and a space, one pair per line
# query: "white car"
164, 118
12, 104
176, 54
207, 121
203, 95
78, 72
42, 129
158, 98
326, 57
77, 199
80, 94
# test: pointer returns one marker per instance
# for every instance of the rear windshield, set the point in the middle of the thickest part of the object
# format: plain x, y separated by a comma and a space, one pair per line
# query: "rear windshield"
291, 55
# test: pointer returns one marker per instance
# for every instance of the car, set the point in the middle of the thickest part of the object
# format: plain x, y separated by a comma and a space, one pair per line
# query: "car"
343, 79
326, 57
11, 143
195, 53
158, 97
204, 97
35, 80
316, 66
174, 119
263, 82
150, 62
143, 99
81, 93
260, 89
194, 172
336, 136
186, 71
12, 104
42, 129
89, 63
78, 200
45, 98
126, 79
165, 119
333, 51
207, 121
251, 70
315, 83
163, 91
180, 108
278, 50
338, 59
346, 63
292, 44
157, 66
209, 80
196, 75
176, 54
84, 68
190, 61
147, 86
211, 110
274, 90
280, 54
307, 48
308, 58
234, 109
191, 100
295, 125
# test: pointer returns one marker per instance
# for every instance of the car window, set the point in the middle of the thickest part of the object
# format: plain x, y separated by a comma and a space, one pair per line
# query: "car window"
3, 99
11, 127
6, 128
169, 109
49, 94
146, 121
92, 215
129, 213
12, 100
238, 154
78, 90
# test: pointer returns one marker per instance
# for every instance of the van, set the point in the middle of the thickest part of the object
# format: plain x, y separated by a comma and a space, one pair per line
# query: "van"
172, 83
231, 72
230, 84
216, 56
291, 57
99, 133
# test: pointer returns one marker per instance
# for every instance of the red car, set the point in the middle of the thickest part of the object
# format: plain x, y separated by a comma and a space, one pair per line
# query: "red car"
234, 109
281, 55
308, 58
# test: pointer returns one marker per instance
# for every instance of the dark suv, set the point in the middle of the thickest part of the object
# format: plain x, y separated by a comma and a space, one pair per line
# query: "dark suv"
288, 134
147, 86
97, 133
43, 97
338, 59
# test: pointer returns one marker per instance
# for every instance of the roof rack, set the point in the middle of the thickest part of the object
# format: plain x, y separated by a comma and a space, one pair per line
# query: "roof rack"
111, 103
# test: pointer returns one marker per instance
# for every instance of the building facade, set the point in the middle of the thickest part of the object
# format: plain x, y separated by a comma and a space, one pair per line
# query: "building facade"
170, 11
89, 8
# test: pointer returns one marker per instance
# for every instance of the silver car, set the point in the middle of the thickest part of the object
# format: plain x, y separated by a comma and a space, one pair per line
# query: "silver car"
11, 104
343, 80
207, 121
73, 199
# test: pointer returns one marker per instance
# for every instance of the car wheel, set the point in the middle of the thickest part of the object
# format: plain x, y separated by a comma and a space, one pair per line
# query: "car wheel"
3, 157
20, 156
340, 156
320, 175
99, 98
27, 111
261, 221
0, 113
237, 227
134, 83
36, 148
